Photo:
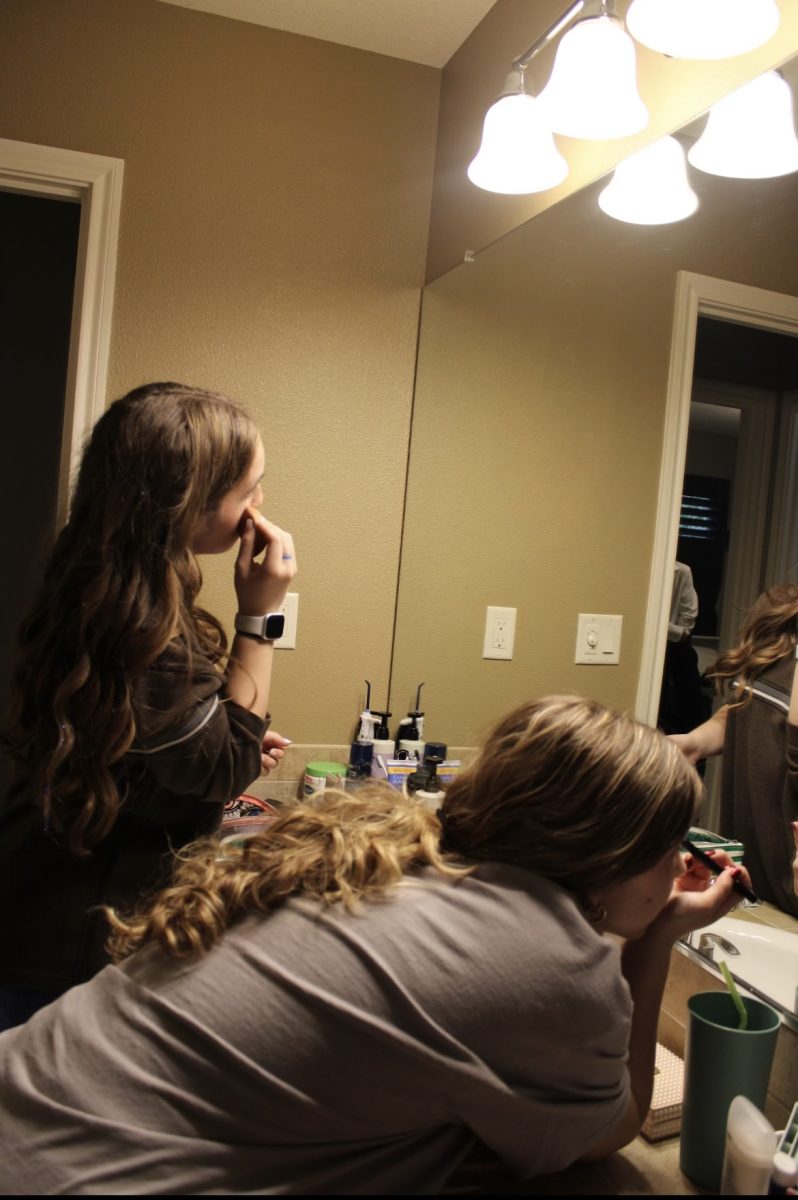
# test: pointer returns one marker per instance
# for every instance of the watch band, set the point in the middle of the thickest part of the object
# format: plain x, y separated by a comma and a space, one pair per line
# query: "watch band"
267, 628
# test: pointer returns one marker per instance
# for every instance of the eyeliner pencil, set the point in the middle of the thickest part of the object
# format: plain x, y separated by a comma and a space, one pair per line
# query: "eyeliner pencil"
717, 869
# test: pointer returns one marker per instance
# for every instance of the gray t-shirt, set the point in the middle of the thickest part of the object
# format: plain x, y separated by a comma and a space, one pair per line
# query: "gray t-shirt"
317, 1052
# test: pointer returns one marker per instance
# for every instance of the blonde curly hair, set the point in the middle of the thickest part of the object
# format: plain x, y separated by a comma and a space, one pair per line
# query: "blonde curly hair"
338, 847
562, 786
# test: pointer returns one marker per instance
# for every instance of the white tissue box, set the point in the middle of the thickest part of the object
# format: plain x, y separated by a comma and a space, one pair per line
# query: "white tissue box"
664, 1118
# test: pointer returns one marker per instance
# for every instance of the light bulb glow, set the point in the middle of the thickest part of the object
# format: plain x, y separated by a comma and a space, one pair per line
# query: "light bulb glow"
707, 29
650, 187
750, 133
592, 92
517, 155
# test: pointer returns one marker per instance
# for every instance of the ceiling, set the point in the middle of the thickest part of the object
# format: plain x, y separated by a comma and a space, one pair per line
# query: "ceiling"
421, 31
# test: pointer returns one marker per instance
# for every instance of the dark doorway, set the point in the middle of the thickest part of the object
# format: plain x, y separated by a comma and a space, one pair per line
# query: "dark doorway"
38, 257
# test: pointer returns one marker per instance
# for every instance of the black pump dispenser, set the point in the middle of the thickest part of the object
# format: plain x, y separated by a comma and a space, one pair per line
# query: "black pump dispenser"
431, 764
382, 733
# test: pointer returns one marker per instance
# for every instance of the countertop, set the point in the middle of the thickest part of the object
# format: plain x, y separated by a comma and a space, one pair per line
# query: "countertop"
642, 1168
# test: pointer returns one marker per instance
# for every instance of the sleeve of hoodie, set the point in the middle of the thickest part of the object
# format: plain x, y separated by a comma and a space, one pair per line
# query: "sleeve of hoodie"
191, 739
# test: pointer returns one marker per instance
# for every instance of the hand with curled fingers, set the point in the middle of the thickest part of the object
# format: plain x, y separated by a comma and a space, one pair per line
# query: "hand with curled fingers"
699, 897
272, 750
261, 583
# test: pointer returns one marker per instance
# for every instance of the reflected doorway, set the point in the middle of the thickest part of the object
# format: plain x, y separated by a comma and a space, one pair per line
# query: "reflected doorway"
737, 529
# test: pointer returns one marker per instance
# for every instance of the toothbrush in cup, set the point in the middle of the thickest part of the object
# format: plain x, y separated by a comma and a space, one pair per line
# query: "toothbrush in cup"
717, 869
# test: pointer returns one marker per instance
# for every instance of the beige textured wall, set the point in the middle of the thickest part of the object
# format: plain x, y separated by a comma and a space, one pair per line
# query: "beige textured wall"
272, 245
465, 217
537, 437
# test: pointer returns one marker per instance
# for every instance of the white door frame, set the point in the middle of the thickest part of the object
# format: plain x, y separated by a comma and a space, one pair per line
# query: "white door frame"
96, 182
783, 550
696, 295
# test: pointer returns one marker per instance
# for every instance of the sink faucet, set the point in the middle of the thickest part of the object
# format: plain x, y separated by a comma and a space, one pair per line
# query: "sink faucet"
708, 942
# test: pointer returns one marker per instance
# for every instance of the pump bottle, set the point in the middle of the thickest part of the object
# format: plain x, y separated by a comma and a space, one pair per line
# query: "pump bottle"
410, 734
423, 785
383, 745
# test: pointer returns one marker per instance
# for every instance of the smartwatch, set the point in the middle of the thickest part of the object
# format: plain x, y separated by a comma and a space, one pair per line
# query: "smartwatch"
266, 628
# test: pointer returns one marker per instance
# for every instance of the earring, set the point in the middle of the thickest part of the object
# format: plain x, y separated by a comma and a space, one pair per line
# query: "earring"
595, 912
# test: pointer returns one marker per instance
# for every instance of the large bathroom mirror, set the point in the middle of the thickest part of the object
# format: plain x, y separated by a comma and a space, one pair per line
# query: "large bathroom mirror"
537, 442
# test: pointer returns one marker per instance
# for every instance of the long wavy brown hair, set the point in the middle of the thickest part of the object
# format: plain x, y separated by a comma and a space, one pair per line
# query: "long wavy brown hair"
768, 633
119, 587
562, 786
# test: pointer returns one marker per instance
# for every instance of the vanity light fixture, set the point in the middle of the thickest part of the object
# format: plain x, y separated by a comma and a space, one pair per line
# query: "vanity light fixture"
750, 134
708, 29
592, 92
651, 187
517, 155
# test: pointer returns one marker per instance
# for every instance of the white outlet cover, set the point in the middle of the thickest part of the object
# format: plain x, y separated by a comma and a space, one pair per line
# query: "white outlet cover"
499, 632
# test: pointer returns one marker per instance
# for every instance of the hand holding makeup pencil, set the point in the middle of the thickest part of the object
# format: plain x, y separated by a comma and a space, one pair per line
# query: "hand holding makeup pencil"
700, 896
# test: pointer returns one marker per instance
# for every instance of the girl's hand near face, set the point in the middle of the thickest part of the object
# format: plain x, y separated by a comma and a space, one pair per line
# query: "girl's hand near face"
261, 583
698, 897
795, 860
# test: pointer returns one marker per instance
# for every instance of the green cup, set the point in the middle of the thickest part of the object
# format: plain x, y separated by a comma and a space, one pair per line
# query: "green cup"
721, 1061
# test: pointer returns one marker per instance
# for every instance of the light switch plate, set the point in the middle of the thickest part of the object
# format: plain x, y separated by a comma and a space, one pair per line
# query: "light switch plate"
598, 638
290, 607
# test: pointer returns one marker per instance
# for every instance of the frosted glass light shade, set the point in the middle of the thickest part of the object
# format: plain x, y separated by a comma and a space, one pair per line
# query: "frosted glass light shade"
650, 187
517, 155
750, 133
592, 92
702, 28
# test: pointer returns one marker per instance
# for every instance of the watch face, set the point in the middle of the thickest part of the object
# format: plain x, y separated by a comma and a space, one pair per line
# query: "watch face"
274, 626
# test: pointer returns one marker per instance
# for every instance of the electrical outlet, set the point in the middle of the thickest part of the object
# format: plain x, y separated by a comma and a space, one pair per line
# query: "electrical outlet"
290, 607
499, 632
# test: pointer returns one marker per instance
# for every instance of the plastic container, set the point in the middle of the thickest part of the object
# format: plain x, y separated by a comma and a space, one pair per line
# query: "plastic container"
750, 1146
360, 760
722, 1064
397, 770
317, 774
410, 748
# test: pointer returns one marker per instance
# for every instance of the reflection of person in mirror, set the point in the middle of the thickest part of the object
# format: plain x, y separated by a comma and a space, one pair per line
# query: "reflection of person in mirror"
351, 1001
131, 726
757, 733
681, 705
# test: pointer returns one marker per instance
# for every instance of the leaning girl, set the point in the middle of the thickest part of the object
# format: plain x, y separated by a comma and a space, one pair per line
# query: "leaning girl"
351, 1001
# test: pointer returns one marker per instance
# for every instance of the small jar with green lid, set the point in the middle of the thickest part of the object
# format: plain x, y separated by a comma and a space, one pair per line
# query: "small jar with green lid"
317, 775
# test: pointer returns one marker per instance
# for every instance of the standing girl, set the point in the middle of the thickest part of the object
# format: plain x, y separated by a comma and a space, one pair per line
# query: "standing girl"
757, 734
130, 726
